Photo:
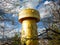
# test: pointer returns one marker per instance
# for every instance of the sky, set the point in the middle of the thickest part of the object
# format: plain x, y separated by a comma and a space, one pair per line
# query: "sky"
13, 7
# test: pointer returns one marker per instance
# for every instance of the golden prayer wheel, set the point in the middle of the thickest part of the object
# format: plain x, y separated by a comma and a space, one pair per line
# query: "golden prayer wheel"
29, 18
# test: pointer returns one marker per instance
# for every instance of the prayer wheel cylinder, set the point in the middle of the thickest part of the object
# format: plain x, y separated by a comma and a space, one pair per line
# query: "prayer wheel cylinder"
29, 18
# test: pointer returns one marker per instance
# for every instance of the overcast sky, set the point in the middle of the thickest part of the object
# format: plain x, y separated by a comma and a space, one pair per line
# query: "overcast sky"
13, 7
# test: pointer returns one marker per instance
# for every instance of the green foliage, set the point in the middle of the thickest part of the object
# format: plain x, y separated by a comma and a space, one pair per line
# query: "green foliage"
55, 36
16, 40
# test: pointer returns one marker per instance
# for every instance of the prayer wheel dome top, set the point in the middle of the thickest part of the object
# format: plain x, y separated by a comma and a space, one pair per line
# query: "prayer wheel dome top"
29, 14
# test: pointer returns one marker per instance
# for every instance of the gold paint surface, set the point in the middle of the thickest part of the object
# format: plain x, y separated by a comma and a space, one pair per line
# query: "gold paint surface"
29, 13
29, 18
29, 30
